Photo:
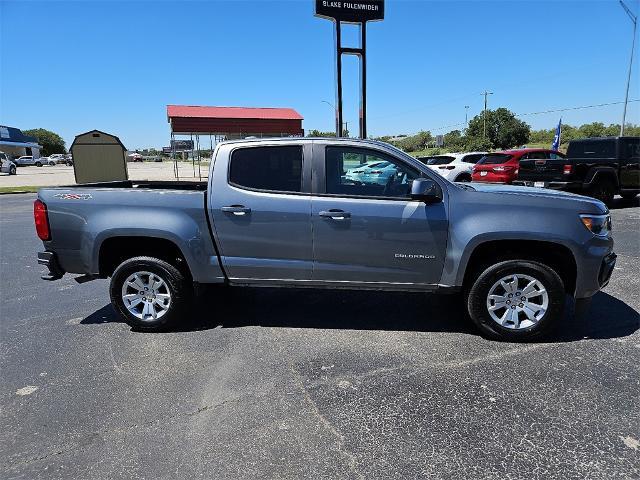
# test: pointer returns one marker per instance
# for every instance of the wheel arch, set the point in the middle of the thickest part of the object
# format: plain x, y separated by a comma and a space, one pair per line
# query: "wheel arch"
116, 249
597, 174
553, 254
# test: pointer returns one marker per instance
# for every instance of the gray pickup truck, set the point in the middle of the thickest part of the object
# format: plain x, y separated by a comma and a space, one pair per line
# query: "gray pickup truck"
284, 212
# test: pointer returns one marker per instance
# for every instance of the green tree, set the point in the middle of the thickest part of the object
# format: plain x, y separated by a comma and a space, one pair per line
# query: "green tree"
51, 142
454, 140
416, 142
504, 130
318, 133
595, 129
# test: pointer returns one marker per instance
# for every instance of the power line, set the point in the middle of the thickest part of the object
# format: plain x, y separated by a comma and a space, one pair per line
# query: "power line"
581, 107
575, 108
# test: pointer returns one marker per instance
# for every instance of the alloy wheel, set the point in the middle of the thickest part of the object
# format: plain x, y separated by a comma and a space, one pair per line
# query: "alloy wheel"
146, 296
517, 301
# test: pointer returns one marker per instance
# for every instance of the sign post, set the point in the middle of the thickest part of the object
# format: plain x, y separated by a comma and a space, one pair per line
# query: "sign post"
358, 12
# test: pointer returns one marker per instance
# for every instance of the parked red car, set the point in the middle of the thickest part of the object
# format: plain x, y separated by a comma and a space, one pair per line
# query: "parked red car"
502, 167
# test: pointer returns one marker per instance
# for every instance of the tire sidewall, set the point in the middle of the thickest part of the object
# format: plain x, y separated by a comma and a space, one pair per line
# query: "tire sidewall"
604, 191
12, 170
172, 277
477, 299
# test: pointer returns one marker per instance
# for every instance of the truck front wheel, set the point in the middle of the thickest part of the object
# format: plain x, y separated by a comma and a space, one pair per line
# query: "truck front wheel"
149, 293
516, 300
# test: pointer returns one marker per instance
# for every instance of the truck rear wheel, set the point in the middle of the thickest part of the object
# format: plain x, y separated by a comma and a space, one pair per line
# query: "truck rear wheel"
149, 293
516, 300
603, 190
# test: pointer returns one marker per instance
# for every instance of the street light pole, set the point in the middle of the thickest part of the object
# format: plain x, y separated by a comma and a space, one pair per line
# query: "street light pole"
466, 116
634, 19
484, 113
346, 124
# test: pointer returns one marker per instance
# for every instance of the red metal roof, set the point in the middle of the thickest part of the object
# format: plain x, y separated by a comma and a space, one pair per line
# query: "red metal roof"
195, 111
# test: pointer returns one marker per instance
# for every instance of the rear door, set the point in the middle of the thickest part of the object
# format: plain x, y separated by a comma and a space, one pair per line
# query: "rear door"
261, 210
372, 233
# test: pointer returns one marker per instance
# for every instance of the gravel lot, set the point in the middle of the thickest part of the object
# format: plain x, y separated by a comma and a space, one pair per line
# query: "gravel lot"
309, 384
63, 175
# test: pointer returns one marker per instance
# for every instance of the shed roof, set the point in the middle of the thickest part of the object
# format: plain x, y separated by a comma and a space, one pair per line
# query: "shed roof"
197, 111
76, 141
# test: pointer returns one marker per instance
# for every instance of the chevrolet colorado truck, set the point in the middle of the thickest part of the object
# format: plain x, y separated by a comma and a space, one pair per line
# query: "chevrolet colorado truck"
283, 212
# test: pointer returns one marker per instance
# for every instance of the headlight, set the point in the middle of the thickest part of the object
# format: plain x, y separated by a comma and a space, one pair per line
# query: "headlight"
599, 225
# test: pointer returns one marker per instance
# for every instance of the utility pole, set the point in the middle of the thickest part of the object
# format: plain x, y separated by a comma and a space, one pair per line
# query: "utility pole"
484, 113
466, 116
634, 19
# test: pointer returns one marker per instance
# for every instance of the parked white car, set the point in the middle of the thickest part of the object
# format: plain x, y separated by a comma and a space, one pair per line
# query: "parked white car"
455, 167
6, 165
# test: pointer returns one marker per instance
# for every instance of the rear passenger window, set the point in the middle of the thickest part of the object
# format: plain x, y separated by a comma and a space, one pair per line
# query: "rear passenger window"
472, 158
267, 168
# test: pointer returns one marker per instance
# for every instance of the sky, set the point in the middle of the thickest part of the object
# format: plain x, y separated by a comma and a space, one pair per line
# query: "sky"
72, 66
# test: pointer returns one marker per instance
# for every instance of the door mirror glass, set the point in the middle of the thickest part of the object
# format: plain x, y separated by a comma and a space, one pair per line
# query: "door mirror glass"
426, 190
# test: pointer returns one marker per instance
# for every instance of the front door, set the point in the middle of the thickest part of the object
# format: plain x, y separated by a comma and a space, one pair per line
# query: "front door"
366, 229
261, 214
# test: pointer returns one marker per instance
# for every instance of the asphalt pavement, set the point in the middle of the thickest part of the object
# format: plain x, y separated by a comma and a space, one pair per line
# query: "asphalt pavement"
269, 383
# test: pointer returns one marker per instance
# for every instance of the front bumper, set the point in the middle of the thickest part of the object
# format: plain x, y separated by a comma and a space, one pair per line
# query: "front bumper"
50, 260
606, 269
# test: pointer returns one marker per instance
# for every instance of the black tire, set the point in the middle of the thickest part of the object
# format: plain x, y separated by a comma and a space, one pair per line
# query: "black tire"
477, 298
38, 164
177, 286
12, 170
603, 190
463, 177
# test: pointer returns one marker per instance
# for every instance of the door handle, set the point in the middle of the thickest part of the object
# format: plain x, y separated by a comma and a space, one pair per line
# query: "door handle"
335, 214
236, 209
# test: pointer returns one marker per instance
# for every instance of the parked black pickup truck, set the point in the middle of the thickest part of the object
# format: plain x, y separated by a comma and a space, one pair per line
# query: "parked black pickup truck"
598, 167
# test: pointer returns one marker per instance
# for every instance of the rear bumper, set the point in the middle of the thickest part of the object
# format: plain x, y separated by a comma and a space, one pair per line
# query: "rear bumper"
555, 185
50, 260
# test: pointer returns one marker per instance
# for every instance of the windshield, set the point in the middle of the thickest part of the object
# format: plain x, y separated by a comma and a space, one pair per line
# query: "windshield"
494, 158
436, 160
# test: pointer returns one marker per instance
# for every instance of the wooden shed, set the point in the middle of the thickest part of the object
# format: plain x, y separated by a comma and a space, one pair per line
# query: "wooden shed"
98, 157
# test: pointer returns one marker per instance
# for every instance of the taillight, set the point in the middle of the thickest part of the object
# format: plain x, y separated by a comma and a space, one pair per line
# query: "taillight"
504, 168
41, 220
567, 170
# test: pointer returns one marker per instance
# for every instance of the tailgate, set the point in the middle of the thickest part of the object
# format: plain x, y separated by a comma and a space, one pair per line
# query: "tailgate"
543, 170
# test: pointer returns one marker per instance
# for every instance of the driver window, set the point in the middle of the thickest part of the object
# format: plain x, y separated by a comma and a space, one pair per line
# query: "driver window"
354, 171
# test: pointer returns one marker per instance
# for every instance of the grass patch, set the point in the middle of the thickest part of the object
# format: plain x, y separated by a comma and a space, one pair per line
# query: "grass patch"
23, 189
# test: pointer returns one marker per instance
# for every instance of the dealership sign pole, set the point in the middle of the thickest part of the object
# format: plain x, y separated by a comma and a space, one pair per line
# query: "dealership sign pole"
357, 12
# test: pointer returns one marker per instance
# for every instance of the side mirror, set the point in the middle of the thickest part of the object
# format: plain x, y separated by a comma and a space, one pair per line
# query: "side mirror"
426, 190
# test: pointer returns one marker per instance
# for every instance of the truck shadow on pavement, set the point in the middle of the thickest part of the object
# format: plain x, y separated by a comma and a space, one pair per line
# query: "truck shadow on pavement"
608, 316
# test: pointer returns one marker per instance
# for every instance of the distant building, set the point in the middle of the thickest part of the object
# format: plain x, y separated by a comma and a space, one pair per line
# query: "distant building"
16, 144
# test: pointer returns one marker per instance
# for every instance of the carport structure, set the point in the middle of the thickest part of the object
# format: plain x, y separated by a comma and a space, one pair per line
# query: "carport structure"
227, 123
